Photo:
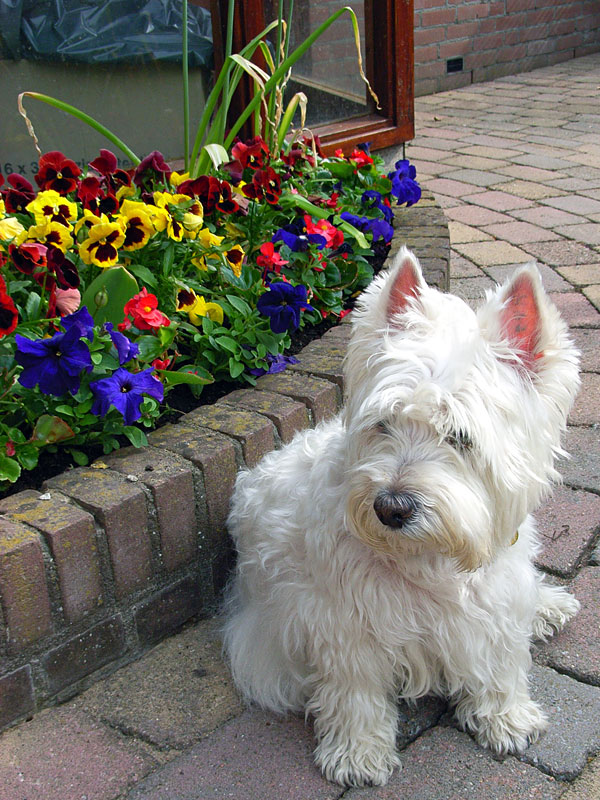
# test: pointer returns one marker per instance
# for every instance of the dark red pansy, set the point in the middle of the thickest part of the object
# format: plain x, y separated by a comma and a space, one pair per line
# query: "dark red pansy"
152, 169
21, 193
266, 184
96, 198
57, 172
206, 188
9, 315
67, 275
105, 163
251, 153
28, 257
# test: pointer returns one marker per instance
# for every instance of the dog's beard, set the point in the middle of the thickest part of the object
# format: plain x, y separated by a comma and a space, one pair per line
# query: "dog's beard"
452, 516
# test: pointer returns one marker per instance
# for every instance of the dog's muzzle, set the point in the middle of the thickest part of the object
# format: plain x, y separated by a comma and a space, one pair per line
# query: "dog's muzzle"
395, 509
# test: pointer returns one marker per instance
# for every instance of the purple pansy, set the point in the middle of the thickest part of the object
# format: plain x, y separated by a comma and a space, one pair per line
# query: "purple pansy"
126, 349
295, 236
378, 227
54, 364
125, 390
282, 303
374, 199
82, 320
276, 364
404, 186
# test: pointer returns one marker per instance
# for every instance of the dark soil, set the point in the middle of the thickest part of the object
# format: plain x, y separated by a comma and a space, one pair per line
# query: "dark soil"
180, 401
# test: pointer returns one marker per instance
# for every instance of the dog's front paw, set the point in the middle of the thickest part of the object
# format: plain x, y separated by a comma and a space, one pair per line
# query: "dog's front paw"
359, 766
510, 731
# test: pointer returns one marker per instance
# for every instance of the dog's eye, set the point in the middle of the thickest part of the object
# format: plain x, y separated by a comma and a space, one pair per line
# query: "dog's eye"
459, 440
382, 427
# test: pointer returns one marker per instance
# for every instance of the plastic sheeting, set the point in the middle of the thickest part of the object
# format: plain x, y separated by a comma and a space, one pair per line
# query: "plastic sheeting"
108, 31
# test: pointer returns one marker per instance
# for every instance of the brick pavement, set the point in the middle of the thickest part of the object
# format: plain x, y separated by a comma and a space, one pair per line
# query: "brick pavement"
516, 180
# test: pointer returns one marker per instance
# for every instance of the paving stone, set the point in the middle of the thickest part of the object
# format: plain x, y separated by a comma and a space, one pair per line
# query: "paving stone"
16, 695
492, 253
588, 342
323, 365
574, 651
466, 233
171, 482
23, 590
471, 290
322, 397
256, 755
593, 295
573, 734
528, 189
587, 786
288, 416
460, 267
582, 469
166, 611
567, 525
542, 161
450, 188
576, 310
582, 274
547, 217
586, 409
520, 232
550, 280
71, 537
574, 203
587, 233
254, 432
214, 454
194, 696
83, 654
476, 216
120, 508
62, 754
498, 200
477, 177
446, 764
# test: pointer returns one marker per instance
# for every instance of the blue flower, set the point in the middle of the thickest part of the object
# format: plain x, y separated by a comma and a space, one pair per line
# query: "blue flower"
379, 228
404, 186
374, 199
55, 364
82, 319
296, 237
276, 364
124, 390
283, 303
126, 350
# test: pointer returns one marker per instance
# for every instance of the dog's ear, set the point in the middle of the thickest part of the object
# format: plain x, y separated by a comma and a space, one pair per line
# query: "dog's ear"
406, 282
520, 317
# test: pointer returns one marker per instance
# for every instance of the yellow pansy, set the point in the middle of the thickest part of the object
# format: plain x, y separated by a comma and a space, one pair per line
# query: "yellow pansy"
10, 227
51, 206
201, 309
125, 191
2, 206
88, 219
177, 178
136, 223
50, 233
208, 239
235, 257
102, 245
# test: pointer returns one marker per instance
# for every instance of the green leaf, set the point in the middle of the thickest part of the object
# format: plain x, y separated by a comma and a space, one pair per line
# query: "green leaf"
66, 411
239, 304
144, 274
49, 430
32, 306
28, 456
228, 344
199, 376
135, 436
79, 457
9, 469
235, 368
119, 286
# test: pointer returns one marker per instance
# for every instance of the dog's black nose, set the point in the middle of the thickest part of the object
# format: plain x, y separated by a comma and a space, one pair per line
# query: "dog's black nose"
395, 509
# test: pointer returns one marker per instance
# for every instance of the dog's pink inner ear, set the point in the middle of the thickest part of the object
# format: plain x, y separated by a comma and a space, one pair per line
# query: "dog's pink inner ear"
520, 319
406, 284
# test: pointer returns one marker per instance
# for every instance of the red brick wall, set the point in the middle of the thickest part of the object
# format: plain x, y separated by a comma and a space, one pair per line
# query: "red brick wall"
498, 37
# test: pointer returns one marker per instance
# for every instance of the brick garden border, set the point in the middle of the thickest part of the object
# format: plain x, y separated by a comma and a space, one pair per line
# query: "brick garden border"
107, 560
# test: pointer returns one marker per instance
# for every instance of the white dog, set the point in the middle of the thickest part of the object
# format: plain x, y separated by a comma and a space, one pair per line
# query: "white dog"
389, 551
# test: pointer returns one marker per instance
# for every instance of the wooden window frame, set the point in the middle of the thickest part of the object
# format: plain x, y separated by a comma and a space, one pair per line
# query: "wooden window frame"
391, 73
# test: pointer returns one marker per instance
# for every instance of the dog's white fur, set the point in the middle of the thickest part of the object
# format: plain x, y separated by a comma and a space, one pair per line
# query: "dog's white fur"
331, 611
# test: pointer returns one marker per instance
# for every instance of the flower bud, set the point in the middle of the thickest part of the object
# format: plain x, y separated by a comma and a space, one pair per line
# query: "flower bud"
101, 298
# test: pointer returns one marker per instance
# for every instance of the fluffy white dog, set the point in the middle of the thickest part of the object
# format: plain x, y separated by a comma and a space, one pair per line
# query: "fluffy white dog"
389, 551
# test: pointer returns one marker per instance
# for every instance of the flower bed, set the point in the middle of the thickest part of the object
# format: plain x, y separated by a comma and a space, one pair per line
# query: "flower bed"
118, 285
